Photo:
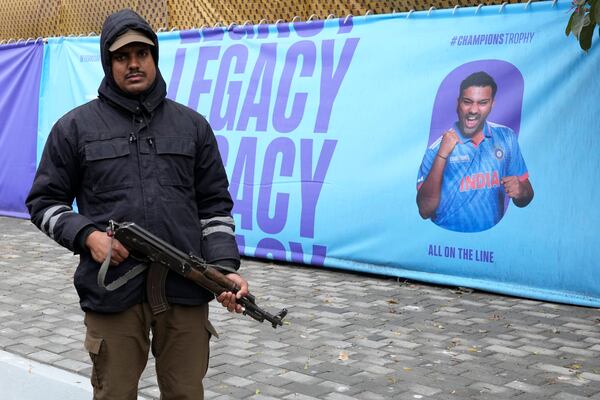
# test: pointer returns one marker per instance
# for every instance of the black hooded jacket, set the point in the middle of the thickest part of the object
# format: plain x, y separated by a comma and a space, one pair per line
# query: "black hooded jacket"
144, 159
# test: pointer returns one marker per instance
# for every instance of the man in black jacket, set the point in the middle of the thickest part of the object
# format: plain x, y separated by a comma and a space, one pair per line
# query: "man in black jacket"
134, 155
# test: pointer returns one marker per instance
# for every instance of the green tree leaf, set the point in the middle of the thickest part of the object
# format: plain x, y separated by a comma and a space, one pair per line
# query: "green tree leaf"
569, 24
593, 11
578, 24
585, 38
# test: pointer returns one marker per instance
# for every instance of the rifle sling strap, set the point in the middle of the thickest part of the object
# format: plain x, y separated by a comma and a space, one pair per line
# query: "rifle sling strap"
155, 282
123, 279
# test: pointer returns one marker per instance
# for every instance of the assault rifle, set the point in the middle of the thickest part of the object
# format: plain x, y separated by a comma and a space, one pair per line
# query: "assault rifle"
144, 246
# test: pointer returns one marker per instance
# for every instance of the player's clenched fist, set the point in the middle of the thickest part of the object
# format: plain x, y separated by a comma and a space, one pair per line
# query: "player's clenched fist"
512, 186
449, 141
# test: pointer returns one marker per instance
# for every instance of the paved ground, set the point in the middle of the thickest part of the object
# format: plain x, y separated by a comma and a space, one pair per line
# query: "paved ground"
348, 336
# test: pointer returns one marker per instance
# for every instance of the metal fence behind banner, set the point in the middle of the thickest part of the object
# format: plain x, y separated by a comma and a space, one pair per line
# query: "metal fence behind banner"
22, 19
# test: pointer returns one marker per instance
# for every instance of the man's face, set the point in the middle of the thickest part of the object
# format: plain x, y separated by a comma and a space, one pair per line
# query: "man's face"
133, 68
474, 105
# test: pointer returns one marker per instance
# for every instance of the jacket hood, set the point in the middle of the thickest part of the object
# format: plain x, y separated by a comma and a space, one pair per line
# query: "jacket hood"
114, 25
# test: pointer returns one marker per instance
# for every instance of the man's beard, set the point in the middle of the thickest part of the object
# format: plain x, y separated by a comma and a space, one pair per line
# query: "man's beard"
471, 131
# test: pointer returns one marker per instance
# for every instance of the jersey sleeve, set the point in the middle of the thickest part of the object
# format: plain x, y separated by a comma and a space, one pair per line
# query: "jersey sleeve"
517, 165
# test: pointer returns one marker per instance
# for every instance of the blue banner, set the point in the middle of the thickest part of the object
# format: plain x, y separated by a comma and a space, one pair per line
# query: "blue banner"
328, 129
20, 68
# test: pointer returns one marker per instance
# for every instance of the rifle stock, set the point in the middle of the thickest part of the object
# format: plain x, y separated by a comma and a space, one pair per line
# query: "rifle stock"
146, 247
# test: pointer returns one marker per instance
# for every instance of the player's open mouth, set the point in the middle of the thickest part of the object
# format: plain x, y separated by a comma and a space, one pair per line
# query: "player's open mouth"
471, 121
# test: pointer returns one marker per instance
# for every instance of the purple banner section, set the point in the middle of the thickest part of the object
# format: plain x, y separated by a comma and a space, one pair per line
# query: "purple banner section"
20, 69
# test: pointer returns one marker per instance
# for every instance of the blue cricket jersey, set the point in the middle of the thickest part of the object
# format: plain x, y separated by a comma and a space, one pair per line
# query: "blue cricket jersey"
472, 197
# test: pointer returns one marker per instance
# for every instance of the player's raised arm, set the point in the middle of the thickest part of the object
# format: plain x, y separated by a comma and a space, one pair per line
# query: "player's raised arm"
429, 192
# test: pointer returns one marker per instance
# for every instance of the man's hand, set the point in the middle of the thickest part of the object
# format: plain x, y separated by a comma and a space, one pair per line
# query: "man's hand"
99, 243
520, 191
228, 299
512, 187
449, 141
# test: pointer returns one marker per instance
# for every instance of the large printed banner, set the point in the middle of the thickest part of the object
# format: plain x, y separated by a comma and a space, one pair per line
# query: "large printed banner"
329, 129
20, 68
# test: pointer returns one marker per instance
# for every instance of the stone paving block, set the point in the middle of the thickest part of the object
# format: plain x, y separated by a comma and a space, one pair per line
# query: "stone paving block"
72, 365
269, 392
582, 389
271, 361
526, 396
568, 343
68, 332
299, 377
378, 370
317, 391
570, 383
338, 344
580, 352
450, 369
341, 388
78, 353
592, 376
485, 376
149, 375
447, 381
154, 393
595, 334
367, 395
538, 350
238, 382
233, 392
341, 378
21, 349
44, 356
7, 342
60, 339
299, 396
424, 390
382, 360
261, 396
32, 341
507, 350
525, 387
554, 369
541, 314
492, 389
338, 396
499, 342
579, 325
268, 375
54, 347
568, 396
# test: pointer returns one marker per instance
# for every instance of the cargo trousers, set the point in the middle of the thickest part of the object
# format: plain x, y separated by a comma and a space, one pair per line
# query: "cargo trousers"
119, 343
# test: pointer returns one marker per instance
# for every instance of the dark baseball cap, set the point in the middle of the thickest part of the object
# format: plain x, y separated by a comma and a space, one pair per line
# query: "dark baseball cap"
130, 36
